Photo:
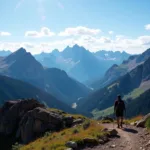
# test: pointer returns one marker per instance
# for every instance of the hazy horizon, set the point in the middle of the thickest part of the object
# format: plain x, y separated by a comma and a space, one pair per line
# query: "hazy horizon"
44, 25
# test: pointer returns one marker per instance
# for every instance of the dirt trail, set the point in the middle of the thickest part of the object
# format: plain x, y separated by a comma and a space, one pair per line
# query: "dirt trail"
129, 138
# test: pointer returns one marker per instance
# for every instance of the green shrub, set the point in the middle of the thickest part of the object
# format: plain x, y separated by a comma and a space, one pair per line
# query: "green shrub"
75, 131
148, 124
86, 124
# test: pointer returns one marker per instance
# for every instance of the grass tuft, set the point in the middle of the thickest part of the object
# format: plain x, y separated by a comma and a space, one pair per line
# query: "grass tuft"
148, 124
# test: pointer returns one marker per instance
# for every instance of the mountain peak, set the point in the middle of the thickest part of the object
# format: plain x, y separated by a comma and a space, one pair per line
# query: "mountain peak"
21, 50
76, 46
55, 50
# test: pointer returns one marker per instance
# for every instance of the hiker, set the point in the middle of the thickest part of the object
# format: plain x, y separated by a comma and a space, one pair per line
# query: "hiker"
119, 109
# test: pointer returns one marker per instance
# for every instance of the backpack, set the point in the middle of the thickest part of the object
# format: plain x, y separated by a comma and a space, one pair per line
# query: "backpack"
120, 105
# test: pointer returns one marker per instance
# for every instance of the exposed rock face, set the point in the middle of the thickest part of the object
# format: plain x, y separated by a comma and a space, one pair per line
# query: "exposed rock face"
13, 111
38, 121
28, 119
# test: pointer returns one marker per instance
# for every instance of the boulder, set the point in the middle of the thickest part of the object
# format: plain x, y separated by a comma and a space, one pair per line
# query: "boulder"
90, 141
72, 144
13, 111
105, 139
78, 121
37, 121
68, 121
28, 119
101, 141
142, 122
112, 132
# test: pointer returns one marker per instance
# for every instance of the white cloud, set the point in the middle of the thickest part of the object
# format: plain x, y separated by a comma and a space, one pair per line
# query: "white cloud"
90, 41
104, 40
111, 32
147, 27
145, 40
45, 32
4, 33
80, 30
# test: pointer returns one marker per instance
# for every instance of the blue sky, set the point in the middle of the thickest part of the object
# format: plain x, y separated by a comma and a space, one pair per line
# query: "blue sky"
42, 25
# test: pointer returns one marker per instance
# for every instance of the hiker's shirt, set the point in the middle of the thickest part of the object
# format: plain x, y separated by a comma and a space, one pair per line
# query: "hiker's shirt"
119, 106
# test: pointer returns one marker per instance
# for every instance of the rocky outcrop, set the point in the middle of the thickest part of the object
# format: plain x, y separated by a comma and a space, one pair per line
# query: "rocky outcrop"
142, 122
28, 119
13, 111
38, 121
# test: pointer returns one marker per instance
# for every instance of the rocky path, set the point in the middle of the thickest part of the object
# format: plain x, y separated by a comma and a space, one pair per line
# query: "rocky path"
129, 138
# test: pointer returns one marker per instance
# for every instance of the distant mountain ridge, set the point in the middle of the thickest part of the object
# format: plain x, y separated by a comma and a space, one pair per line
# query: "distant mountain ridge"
80, 63
4, 53
23, 66
117, 71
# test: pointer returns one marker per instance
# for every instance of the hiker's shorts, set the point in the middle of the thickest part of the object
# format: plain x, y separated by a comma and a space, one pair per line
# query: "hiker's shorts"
119, 114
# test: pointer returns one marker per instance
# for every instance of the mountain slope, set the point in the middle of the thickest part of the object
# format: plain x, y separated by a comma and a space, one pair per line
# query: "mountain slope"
86, 67
117, 71
140, 105
138, 78
23, 66
11, 89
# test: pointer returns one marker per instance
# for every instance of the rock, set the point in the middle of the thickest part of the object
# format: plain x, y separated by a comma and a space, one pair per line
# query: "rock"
68, 121
112, 146
38, 121
13, 111
28, 119
90, 141
71, 144
101, 141
69, 149
105, 129
105, 139
148, 144
142, 122
113, 132
77, 121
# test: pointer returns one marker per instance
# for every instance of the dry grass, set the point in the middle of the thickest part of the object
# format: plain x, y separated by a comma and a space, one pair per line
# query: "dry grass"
57, 140
137, 118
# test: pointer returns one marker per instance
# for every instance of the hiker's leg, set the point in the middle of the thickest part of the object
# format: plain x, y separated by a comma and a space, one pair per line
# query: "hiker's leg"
118, 122
121, 122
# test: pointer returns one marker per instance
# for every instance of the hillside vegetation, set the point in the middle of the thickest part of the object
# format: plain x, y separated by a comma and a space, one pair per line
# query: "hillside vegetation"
58, 140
